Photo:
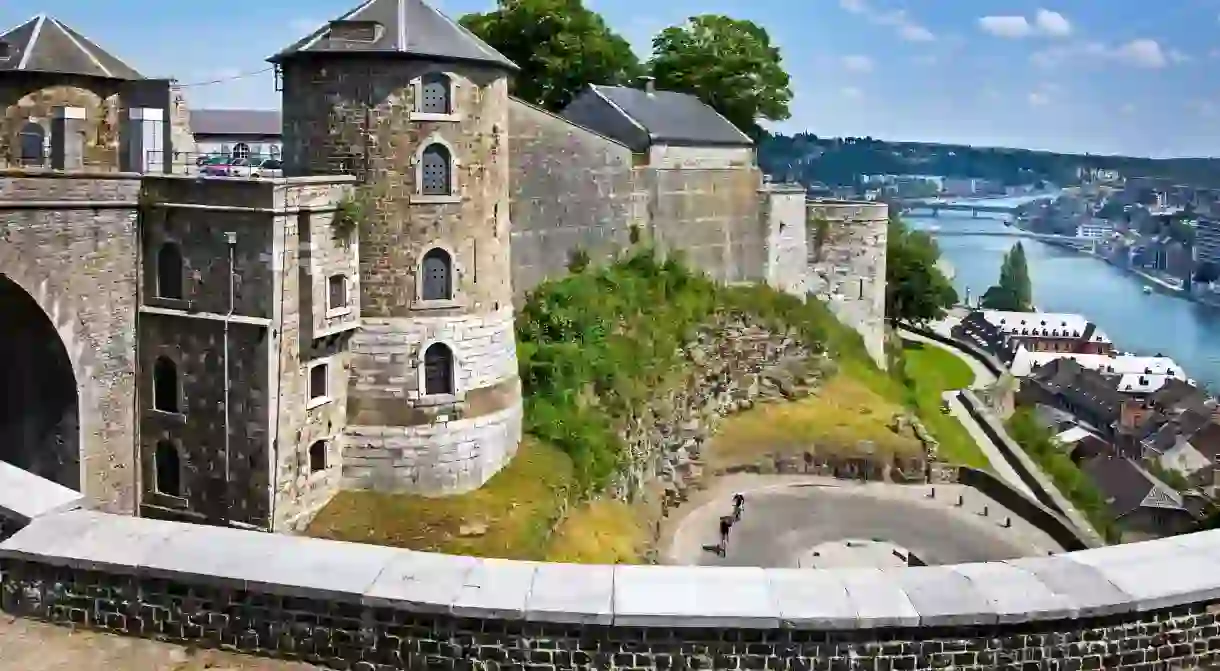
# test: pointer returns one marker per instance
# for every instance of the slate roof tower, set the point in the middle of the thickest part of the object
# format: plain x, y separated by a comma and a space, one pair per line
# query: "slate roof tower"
417, 107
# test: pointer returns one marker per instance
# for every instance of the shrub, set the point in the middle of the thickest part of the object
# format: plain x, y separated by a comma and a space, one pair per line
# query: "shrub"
1072, 482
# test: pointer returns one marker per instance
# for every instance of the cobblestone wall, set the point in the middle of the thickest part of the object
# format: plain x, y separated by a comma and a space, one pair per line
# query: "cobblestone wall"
1132, 607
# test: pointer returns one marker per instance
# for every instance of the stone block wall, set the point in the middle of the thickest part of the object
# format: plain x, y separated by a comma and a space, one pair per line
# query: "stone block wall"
68, 241
1138, 606
444, 445
787, 243
847, 259
570, 189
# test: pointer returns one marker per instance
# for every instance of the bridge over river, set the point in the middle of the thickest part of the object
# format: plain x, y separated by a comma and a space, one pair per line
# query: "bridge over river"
1010, 232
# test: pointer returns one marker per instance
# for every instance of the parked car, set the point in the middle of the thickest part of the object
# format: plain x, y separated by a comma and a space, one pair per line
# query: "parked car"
215, 166
240, 167
269, 167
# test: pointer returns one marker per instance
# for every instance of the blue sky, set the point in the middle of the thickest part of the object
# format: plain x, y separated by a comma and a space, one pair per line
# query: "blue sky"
1105, 76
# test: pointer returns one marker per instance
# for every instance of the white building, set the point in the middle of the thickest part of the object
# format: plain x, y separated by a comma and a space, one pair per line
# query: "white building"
1095, 229
1135, 374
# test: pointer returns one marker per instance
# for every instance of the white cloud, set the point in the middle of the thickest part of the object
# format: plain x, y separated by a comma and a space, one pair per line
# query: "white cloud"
1052, 24
860, 64
1142, 53
897, 19
1010, 27
1128, 108
851, 93
1045, 23
1039, 99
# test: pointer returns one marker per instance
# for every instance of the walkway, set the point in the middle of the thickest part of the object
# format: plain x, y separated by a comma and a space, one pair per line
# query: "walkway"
786, 515
982, 378
26, 645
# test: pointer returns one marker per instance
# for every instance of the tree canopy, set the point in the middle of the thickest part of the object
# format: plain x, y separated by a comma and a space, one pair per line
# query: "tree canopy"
916, 291
729, 64
1014, 292
560, 45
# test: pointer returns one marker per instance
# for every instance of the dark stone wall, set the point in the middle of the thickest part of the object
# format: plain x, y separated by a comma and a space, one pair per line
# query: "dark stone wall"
216, 488
346, 635
200, 235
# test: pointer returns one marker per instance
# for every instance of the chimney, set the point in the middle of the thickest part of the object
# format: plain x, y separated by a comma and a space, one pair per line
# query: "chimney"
649, 84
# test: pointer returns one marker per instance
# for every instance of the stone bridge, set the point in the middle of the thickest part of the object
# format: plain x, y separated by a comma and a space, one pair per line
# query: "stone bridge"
1151, 605
68, 276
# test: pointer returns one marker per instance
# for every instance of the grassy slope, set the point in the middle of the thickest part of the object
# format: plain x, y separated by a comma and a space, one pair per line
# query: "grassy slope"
593, 345
933, 371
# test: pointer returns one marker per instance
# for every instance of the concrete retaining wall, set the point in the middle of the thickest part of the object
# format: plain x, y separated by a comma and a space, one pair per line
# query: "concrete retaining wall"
1053, 524
1048, 495
1139, 606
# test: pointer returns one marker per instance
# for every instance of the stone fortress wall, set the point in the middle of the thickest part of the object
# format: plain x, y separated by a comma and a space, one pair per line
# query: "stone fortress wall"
1150, 605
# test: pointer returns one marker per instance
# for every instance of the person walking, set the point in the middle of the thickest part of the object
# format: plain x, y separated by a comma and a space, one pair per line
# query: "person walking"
726, 525
739, 503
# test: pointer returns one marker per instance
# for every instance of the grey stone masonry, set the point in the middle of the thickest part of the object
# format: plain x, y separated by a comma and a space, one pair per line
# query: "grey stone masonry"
1148, 605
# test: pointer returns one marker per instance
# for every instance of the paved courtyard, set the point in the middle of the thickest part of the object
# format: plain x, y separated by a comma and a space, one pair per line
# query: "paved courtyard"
26, 645
785, 520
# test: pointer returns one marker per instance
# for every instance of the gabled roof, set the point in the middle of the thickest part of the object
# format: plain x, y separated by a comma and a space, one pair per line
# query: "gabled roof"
1127, 486
44, 44
675, 118
236, 122
403, 27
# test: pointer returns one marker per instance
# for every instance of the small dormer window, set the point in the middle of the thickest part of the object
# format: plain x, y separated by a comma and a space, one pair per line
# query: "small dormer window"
6, 51
435, 94
356, 31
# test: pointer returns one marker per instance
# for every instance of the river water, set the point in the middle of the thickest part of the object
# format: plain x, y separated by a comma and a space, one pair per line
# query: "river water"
1068, 281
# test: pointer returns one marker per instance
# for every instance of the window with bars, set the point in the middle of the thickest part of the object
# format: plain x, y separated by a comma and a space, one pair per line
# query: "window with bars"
165, 385
438, 276
318, 381
167, 469
438, 370
169, 271
435, 94
317, 456
336, 292
435, 171
32, 139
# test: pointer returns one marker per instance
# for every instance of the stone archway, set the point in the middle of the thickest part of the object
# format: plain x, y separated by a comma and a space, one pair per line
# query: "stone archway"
39, 398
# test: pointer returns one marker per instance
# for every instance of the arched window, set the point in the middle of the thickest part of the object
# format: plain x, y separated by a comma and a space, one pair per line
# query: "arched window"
165, 385
241, 150
438, 370
167, 469
169, 271
317, 456
275, 152
435, 94
438, 275
32, 143
434, 172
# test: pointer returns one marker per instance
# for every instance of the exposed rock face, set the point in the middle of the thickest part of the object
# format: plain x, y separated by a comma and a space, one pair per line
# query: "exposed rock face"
734, 365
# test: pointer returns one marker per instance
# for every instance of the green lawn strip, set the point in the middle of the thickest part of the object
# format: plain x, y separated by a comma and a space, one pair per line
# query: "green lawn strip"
1071, 482
931, 371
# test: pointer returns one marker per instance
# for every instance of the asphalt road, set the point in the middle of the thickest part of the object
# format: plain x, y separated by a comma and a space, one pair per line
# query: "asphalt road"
781, 524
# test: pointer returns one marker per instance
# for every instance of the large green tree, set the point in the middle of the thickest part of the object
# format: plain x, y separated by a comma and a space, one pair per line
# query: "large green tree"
560, 45
916, 291
730, 64
1014, 291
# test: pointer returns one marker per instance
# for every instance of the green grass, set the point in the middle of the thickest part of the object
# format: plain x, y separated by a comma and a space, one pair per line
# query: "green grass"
1037, 442
929, 372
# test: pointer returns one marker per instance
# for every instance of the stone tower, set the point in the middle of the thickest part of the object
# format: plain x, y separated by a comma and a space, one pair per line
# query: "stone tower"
417, 108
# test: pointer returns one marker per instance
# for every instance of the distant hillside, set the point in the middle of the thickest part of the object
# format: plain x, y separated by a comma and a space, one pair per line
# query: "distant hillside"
839, 162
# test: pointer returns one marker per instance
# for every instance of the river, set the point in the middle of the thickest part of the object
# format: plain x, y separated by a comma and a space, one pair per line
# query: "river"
1068, 281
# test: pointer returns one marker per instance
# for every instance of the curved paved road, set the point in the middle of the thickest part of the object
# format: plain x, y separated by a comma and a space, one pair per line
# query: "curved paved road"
781, 523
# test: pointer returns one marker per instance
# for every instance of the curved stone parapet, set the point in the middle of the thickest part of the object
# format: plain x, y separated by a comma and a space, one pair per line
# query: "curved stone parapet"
1115, 607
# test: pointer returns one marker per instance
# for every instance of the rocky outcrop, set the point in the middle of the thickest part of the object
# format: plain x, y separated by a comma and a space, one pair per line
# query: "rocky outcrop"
733, 365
